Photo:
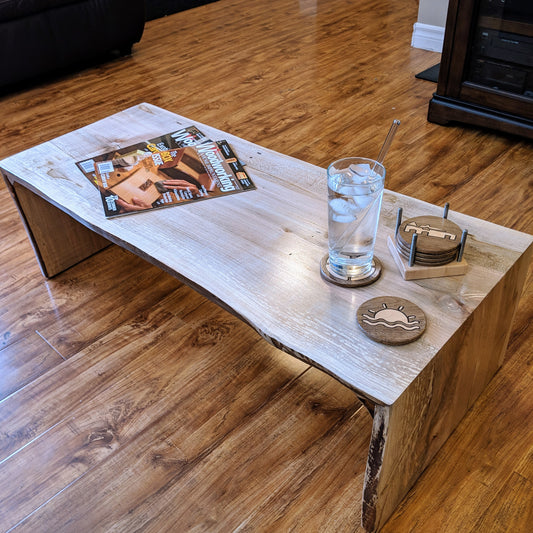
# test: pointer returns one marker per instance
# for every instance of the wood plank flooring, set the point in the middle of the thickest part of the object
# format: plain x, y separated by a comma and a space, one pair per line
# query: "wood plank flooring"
128, 402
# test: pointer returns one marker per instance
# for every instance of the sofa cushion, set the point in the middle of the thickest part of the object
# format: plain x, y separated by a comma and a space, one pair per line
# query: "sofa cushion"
69, 35
12, 9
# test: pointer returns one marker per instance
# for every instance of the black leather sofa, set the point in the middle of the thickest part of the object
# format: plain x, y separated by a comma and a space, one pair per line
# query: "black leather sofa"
38, 37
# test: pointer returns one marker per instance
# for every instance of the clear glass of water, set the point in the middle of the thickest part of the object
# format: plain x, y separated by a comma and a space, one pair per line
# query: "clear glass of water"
355, 191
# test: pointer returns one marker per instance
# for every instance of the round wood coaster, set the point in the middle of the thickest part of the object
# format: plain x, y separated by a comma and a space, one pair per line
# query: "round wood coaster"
374, 275
430, 257
425, 259
428, 262
436, 235
391, 320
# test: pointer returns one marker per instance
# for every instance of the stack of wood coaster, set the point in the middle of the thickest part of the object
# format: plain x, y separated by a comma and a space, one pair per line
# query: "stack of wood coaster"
428, 247
437, 241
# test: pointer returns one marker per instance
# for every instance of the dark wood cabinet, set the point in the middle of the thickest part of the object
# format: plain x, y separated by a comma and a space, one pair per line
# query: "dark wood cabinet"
486, 71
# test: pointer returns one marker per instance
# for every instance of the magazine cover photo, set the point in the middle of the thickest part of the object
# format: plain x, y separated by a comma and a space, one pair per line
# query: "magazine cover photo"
140, 180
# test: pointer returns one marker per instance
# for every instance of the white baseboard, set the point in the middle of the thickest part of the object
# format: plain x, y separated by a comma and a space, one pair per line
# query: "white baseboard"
427, 37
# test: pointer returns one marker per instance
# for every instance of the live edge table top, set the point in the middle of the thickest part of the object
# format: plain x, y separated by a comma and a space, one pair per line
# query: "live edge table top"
258, 253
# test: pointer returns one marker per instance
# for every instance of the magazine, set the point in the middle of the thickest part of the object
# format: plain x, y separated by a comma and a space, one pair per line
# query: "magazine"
176, 168
189, 136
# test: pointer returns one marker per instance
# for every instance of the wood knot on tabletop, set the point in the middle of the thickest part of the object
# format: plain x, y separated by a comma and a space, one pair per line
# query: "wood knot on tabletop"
449, 303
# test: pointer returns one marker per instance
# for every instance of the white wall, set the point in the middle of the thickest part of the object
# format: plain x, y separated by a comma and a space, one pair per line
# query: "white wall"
433, 12
428, 31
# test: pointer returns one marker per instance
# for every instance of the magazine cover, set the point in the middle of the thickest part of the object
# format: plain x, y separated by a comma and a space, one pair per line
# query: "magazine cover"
140, 180
189, 136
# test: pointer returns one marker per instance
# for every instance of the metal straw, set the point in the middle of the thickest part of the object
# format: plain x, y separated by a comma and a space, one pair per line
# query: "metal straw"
388, 141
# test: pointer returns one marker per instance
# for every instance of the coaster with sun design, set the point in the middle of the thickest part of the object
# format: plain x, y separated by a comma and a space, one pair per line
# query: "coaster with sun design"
391, 320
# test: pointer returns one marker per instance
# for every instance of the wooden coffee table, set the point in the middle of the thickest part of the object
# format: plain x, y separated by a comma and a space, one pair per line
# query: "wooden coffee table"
257, 254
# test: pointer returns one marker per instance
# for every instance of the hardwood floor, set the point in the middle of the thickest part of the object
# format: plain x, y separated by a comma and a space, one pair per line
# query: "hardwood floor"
129, 402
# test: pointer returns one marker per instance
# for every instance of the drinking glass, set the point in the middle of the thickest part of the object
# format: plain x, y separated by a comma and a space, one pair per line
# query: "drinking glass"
355, 191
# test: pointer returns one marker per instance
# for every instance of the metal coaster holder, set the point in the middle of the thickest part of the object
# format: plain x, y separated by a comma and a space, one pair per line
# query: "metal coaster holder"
412, 252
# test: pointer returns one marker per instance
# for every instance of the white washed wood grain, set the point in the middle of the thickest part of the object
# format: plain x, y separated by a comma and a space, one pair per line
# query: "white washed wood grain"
258, 252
